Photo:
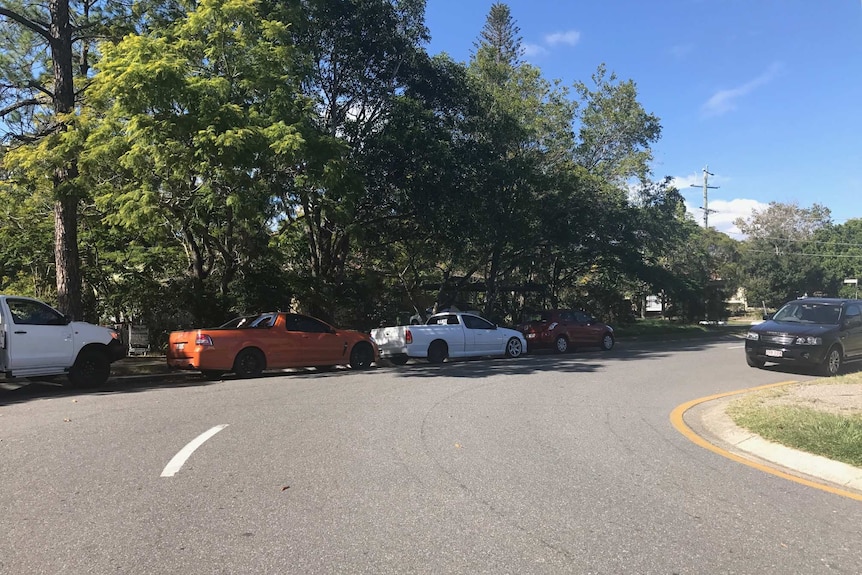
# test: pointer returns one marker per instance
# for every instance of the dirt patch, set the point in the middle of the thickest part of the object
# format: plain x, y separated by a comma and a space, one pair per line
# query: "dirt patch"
841, 398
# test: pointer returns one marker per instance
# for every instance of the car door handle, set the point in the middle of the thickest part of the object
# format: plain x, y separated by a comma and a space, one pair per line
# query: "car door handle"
20, 332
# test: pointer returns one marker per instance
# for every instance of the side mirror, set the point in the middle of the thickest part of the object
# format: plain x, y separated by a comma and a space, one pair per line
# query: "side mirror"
767, 316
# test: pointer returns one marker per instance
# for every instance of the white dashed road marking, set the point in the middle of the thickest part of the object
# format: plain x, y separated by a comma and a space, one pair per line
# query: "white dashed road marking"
180, 458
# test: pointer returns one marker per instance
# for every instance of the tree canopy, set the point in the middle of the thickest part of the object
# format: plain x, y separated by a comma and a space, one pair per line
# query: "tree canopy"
220, 157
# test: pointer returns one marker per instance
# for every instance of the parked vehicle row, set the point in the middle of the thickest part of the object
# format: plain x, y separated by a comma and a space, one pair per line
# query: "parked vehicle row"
249, 345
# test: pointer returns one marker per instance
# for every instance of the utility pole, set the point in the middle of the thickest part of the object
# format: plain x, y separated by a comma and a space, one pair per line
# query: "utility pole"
705, 207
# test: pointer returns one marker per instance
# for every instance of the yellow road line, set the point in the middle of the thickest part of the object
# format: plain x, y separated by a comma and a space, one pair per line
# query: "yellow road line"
676, 419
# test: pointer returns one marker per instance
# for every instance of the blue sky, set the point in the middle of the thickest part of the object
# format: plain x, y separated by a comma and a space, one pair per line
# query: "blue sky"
767, 93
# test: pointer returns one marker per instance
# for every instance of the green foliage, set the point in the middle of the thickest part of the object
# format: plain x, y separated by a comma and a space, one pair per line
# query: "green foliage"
774, 259
239, 155
187, 129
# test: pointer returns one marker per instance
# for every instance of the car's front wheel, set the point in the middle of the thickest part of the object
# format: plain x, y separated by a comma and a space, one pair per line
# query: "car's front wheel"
91, 369
607, 342
754, 362
361, 356
514, 348
832, 362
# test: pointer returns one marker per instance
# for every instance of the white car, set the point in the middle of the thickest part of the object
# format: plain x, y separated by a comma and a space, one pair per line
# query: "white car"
448, 335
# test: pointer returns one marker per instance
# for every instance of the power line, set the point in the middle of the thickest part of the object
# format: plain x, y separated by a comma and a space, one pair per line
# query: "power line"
851, 244
853, 256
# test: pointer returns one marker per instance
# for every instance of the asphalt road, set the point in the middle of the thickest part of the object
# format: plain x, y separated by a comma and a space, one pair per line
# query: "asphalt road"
544, 464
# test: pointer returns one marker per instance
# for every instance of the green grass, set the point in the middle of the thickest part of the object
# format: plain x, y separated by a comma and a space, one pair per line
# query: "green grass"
836, 436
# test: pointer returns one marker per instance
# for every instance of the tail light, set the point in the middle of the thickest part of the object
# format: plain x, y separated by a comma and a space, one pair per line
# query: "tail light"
408, 337
204, 340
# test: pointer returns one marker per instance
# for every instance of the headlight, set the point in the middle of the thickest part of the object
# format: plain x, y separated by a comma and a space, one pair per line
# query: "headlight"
752, 336
808, 340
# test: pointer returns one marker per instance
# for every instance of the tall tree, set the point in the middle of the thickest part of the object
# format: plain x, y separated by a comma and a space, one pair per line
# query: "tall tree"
45, 47
354, 54
615, 132
778, 261
194, 119
521, 136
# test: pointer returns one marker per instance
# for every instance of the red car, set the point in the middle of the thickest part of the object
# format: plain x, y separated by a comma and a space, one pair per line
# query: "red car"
564, 330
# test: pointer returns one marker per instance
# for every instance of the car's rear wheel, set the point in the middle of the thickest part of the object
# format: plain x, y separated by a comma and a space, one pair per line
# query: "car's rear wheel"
832, 362
361, 356
91, 369
437, 352
514, 348
561, 344
399, 359
250, 362
754, 362
607, 342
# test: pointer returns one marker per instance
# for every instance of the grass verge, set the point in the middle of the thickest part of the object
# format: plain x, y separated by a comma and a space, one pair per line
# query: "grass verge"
775, 415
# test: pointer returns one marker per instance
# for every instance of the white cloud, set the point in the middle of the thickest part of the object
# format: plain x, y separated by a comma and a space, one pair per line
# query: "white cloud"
724, 101
569, 37
723, 213
532, 50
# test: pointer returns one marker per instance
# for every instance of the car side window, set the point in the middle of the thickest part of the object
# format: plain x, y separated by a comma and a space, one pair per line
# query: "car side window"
473, 322
581, 317
27, 312
311, 325
854, 315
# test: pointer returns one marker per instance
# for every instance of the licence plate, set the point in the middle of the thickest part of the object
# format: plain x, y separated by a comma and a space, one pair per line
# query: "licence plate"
181, 346
774, 353
531, 336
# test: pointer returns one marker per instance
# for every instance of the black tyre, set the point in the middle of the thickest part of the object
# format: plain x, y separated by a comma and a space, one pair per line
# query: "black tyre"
754, 362
514, 348
561, 344
250, 362
361, 356
832, 362
437, 352
212, 374
399, 359
91, 368
607, 342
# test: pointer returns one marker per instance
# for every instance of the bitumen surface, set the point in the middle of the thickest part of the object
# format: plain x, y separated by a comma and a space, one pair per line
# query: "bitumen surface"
704, 421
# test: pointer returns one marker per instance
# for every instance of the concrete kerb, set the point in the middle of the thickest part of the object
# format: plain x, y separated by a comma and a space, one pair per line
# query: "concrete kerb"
705, 422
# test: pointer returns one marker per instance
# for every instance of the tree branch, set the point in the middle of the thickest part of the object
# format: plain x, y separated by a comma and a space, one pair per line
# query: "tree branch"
27, 23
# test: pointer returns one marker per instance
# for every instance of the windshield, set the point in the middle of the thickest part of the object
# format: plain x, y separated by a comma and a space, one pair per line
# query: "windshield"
800, 312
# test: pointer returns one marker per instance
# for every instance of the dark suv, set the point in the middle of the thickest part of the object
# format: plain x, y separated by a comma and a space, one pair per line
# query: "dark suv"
819, 332
563, 330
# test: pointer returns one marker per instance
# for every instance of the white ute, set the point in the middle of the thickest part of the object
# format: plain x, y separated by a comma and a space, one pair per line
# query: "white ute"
37, 340
448, 335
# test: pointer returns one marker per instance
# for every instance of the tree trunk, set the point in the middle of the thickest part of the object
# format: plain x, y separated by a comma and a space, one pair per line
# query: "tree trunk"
66, 256
65, 195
